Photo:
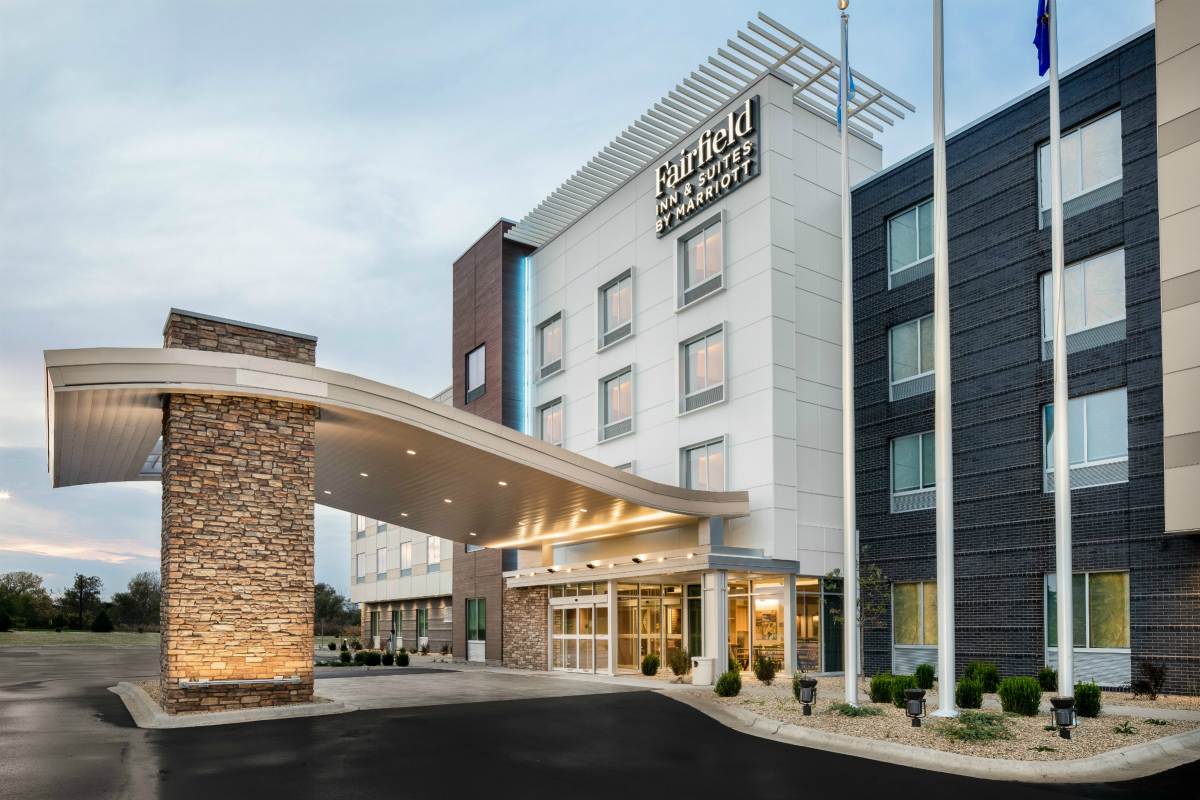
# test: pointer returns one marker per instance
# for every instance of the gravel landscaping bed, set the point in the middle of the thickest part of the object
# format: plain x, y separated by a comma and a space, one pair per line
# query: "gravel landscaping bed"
154, 689
1091, 737
1176, 701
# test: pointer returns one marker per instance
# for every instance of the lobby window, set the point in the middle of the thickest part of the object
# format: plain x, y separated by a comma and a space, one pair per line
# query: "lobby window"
1099, 442
550, 346
433, 554
913, 476
381, 563
1091, 168
1095, 312
704, 467
703, 370
422, 624
550, 424
616, 405
914, 613
405, 559
360, 573
911, 355
756, 615
616, 309
374, 624
1100, 610
808, 624
448, 613
702, 259
910, 245
476, 619
476, 372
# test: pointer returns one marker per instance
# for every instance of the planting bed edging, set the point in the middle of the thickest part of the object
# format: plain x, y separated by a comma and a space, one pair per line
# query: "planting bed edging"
148, 714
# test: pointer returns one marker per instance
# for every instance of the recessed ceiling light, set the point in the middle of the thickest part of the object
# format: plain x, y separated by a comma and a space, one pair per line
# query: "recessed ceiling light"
583, 511
328, 492
447, 500
504, 483
472, 533
520, 523
403, 514
364, 474
412, 452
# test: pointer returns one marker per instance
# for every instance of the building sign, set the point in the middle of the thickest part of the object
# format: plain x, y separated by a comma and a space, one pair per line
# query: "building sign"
723, 159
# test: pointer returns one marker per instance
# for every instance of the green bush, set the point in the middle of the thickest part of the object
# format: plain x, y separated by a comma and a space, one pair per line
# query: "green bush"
1047, 678
976, 726
847, 710
924, 676
734, 665
680, 661
1020, 694
102, 624
986, 673
969, 693
374, 658
360, 658
345, 656
6, 622
332, 646
881, 687
729, 684
899, 684
1087, 700
764, 670
388, 659
650, 664
402, 658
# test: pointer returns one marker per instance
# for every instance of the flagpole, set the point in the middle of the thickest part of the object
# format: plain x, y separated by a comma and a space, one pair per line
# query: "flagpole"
942, 431
849, 519
1062, 438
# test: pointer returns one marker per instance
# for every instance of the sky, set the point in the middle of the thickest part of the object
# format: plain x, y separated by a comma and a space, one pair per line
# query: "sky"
318, 167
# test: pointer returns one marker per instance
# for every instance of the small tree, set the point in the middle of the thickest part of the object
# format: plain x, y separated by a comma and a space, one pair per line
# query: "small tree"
872, 600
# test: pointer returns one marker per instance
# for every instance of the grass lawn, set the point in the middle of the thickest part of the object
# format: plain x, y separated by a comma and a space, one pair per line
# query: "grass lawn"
43, 638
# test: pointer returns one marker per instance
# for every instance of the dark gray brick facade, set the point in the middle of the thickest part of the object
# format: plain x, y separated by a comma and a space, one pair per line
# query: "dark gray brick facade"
1004, 522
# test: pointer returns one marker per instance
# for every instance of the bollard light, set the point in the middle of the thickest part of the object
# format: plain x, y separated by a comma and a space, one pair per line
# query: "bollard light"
808, 694
914, 705
1063, 713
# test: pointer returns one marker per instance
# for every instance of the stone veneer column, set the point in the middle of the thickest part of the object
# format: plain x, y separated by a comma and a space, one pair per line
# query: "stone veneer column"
526, 628
237, 532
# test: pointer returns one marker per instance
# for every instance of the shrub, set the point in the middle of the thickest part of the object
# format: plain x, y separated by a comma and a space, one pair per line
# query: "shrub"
1020, 695
388, 659
680, 662
969, 693
899, 684
58, 630
764, 670
401, 650
402, 658
734, 665
729, 684
1047, 678
332, 646
1087, 700
847, 710
102, 624
344, 646
445, 649
924, 676
6, 622
355, 644
881, 687
425, 649
345, 656
374, 658
976, 726
650, 665
986, 673
1152, 683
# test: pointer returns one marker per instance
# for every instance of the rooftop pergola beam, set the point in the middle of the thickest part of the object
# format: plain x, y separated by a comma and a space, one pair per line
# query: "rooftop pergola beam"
716, 76
659, 108
726, 94
723, 65
671, 133
621, 157
656, 144
717, 99
677, 102
685, 97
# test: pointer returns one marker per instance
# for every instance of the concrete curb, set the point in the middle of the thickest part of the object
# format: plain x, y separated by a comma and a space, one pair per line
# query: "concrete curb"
1135, 761
147, 714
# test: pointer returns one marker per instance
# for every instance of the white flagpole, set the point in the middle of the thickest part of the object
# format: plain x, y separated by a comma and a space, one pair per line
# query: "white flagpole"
1062, 439
849, 520
942, 432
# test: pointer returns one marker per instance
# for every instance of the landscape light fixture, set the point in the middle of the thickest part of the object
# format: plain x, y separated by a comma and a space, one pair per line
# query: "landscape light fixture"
1063, 712
914, 705
808, 694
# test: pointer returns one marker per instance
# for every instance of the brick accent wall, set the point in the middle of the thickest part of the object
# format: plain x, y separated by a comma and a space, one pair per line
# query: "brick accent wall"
525, 627
477, 574
188, 332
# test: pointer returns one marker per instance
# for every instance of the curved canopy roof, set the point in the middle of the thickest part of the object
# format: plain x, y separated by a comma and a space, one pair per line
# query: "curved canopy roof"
104, 414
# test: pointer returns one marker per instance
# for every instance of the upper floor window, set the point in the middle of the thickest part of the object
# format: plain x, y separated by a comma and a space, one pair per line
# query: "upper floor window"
361, 564
434, 550
704, 467
405, 559
702, 255
704, 370
381, 561
618, 405
1099, 439
1099, 606
625, 467
911, 346
361, 523
913, 475
910, 244
550, 346
617, 311
550, 423
1091, 160
1095, 307
475, 373
914, 613
475, 548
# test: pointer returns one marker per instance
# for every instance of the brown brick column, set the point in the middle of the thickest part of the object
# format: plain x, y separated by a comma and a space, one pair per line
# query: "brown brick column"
237, 533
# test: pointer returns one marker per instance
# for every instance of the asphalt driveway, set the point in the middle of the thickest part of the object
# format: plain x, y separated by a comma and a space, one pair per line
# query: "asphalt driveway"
63, 735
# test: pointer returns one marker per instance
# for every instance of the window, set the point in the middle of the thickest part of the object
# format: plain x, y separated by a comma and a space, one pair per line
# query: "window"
616, 310
475, 373
405, 559
704, 467
360, 524
448, 613
910, 244
550, 423
374, 624
1099, 439
913, 463
1100, 610
704, 371
422, 623
1091, 160
914, 613
625, 467
1095, 312
702, 255
433, 554
911, 346
361, 572
617, 405
474, 548
381, 562
550, 343
476, 619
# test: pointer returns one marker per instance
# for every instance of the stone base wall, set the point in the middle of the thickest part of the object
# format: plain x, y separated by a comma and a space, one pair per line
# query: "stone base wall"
237, 550
525, 627
187, 332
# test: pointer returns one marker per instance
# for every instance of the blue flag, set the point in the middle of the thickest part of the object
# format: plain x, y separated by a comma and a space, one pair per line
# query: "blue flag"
1042, 38
850, 75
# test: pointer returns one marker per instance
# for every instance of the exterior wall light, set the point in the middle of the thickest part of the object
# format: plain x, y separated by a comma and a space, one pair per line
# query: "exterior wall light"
808, 694
550, 570
591, 566
660, 558
637, 560
691, 555
1063, 712
914, 705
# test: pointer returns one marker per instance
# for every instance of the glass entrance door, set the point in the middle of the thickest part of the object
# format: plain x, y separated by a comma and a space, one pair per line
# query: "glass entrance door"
580, 636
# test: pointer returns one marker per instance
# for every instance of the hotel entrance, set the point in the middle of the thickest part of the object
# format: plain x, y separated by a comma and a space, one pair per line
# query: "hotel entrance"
579, 627
658, 619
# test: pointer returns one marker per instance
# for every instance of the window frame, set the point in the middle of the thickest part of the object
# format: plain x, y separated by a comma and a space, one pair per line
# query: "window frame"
381, 567
602, 309
681, 392
892, 381
1044, 202
473, 394
682, 287
406, 559
538, 419
1044, 294
1087, 614
920, 467
479, 603
888, 229
360, 567
602, 405
920, 583
685, 473
1048, 472
558, 316
422, 623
